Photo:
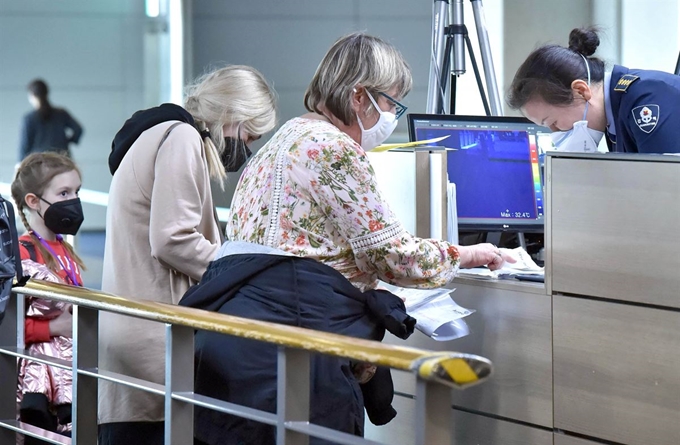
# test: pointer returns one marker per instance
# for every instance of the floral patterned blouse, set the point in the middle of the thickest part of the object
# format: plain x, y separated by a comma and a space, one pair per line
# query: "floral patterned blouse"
311, 191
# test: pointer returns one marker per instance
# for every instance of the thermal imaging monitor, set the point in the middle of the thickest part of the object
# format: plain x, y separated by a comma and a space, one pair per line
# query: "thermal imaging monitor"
496, 164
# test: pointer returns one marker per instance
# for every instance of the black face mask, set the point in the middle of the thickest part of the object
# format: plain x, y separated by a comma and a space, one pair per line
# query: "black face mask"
235, 154
64, 217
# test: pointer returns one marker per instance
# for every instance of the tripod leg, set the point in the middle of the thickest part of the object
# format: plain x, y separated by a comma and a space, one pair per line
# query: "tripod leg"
445, 77
452, 106
478, 76
487, 60
435, 91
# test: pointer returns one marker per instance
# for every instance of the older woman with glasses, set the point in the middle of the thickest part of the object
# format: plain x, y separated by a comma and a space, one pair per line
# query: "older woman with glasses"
311, 235
311, 190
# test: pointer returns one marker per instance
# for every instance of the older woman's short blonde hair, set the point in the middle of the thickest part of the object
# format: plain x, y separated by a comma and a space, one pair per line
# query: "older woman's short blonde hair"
356, 59
234, 95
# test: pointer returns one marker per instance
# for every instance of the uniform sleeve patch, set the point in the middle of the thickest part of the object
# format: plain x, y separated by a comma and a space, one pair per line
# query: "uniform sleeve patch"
624, 82
646, 117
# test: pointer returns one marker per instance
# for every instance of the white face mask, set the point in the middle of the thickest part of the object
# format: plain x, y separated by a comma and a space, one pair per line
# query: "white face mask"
580, 138
378, 133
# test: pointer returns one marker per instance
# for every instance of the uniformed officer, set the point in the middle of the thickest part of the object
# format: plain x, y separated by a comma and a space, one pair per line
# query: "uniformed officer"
569, 91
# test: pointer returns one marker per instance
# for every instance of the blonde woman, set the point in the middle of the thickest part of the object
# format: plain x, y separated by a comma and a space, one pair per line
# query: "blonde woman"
161, 230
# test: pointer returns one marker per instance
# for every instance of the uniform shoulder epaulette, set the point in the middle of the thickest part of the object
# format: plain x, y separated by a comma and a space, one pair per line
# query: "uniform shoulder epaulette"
624, 82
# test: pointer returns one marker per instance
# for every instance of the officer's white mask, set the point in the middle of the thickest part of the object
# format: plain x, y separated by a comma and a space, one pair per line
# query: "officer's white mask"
378, 133
580, 138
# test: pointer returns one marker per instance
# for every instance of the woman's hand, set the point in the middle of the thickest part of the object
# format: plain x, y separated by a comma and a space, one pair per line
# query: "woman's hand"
483, 255
62, 325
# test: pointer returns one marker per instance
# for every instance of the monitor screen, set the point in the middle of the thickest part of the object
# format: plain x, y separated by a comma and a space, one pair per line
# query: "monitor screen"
495, 165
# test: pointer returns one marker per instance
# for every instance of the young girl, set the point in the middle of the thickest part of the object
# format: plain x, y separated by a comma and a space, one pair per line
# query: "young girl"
46, 189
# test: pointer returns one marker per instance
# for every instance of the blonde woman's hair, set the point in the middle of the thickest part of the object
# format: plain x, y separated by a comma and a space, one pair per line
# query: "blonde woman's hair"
356, 59
234, 95
34, 175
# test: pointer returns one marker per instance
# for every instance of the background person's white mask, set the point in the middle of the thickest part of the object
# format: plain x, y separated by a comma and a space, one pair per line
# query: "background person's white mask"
378, 133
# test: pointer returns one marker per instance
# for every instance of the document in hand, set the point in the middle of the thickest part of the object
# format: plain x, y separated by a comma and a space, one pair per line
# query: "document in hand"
524, 262
524, 265
437, 315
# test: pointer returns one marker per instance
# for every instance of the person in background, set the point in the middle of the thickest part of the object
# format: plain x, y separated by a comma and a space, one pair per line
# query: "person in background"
311, 193
46, 188
46, 128
161, 228
569, 91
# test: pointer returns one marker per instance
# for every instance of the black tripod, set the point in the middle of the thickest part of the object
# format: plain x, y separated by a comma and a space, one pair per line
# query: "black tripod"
451, 32
449, 39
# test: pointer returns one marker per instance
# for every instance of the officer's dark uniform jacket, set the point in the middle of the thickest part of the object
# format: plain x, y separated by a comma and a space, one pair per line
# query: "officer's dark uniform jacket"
293, 291
646, 110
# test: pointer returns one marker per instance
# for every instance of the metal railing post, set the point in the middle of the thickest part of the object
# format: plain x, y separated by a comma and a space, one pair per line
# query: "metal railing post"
433, 414
85, 389
9, 367
292, 397
179, 377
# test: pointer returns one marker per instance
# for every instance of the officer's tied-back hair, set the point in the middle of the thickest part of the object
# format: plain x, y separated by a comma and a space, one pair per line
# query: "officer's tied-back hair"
549, 70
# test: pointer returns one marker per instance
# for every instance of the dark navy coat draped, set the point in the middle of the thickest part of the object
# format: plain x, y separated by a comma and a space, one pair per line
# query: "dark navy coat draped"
299, 292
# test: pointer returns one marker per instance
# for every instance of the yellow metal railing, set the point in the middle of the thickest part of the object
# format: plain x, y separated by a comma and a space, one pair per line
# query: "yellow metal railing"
432, 369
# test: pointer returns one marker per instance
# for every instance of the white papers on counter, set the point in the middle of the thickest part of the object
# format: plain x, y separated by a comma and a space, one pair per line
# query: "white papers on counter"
524, 265
479, 273
524, 262
437, 315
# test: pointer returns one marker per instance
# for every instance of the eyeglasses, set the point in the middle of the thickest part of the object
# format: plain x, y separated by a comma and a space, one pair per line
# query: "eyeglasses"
400, 108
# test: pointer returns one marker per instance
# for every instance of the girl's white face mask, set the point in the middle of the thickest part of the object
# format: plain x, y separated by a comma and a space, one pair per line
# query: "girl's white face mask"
580, 138
378, 133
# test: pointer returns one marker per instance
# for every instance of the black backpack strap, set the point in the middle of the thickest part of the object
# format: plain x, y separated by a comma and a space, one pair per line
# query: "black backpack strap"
21, 279
30, 247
